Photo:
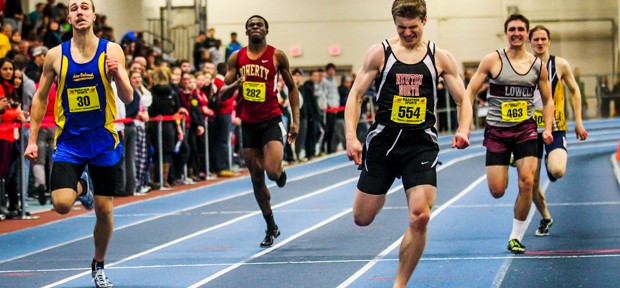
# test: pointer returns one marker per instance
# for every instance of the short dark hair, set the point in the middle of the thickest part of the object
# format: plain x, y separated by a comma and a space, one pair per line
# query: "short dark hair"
233, 34
514, 17
329, 66
409, 9
257, 16
539, 28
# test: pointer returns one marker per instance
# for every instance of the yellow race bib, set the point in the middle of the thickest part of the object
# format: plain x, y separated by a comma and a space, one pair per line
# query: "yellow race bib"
408, 110
83, 99
514, 111
254, 91
538, 116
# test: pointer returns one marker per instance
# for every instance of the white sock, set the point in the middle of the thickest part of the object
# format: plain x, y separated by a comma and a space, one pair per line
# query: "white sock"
518, 230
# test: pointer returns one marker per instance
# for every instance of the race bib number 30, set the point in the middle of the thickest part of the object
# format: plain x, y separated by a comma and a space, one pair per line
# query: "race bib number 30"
515, 111
538, 116
83, 99
254, 91
408, 110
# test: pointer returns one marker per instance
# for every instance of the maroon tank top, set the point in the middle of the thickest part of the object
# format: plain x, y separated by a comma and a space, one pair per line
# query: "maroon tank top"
258, 97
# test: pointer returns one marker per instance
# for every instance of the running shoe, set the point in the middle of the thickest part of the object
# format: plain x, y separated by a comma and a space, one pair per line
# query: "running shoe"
270, 237
101, 280
515, 247
543, 229
87, 199
282, 180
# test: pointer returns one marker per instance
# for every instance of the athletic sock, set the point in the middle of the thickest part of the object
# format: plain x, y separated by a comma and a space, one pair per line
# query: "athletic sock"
518, 230
271, 223
96, 265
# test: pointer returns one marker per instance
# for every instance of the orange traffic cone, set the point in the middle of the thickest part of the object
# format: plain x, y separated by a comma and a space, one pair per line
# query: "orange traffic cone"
618, 152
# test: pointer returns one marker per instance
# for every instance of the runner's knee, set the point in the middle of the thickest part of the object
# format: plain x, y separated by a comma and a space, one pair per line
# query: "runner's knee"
418, 219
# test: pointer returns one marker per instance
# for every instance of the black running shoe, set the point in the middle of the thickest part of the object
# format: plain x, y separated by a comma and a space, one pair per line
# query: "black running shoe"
270, 237
282, 180
543, 229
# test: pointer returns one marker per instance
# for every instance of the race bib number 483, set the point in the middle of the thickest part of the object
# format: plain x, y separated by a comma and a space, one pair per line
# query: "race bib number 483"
514, 111
254, 91
408, 110
83, 99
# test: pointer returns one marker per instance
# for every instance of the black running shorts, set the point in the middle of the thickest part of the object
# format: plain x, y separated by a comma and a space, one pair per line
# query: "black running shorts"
66, 175
391, 153
256, 135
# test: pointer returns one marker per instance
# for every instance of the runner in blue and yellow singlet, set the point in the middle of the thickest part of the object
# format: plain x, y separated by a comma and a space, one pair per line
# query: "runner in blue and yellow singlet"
84, 113
560, 76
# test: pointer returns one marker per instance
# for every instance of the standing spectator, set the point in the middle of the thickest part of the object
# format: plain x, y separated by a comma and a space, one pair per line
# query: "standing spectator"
45, 145
9, 117
51, 38
215, 55
35, 20
199, 47
50, 12
604, 96
339, 130
14, 14
210, 41
222, 127
233, 46
35, 66
303, 115
332, 98
146, 99
204, 92
165, 103
313, 113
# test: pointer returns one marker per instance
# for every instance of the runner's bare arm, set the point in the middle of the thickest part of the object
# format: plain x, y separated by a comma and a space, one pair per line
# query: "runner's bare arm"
574, 96
545, 93
231, 82
115, 61
371, 67
456, 87
40, 98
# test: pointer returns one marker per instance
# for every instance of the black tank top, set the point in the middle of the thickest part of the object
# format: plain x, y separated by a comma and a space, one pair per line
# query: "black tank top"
407, 92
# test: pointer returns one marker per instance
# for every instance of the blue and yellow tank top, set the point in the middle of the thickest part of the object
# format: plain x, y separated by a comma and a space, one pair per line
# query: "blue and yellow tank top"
559, 95
85, 105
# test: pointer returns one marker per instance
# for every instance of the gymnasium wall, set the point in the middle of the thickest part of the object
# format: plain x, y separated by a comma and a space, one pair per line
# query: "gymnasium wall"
469, 29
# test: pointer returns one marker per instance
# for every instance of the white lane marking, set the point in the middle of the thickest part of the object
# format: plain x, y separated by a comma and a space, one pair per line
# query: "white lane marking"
434, 214
280, 244
198, 233
159, 216
314, 262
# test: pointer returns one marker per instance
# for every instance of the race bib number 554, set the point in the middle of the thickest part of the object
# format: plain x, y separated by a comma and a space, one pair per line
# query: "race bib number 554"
408, 110
83, 99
